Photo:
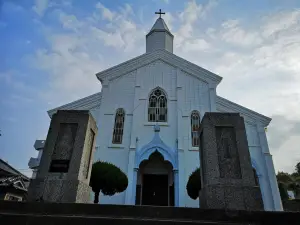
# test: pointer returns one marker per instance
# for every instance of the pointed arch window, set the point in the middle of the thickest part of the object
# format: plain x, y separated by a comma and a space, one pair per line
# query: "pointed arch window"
195, 125
157, 109
118, 127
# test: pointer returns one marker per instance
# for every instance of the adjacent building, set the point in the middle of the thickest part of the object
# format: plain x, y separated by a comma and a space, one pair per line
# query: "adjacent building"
13, 184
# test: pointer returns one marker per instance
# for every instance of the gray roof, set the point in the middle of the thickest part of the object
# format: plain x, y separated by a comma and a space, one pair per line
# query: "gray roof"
8, 169
160, 25
17, 182
87, 103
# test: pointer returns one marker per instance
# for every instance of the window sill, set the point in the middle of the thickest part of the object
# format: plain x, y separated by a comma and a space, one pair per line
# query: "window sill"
116, 146
163, 124
194, 149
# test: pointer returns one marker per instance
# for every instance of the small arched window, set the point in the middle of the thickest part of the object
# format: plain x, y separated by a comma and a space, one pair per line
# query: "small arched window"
195, 125
118, 127
157, 109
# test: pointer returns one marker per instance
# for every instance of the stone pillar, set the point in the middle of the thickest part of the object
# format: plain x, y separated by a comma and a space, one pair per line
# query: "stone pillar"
181, 179
134, 180
226, 171
130, 174
176, 187
66, 163
270, 169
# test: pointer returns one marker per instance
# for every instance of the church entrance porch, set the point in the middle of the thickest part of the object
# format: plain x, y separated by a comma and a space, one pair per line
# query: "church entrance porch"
155, 182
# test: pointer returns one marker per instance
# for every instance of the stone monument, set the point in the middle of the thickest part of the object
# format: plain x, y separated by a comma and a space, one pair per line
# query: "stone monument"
66, 162
226, 172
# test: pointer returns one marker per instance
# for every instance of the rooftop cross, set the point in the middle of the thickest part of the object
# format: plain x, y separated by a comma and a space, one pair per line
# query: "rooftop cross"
160, 13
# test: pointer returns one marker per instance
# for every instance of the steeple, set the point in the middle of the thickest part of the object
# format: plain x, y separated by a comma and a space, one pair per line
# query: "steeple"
159, 37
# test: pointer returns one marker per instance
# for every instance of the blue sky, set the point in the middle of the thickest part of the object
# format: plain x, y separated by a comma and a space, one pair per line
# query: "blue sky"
51, 49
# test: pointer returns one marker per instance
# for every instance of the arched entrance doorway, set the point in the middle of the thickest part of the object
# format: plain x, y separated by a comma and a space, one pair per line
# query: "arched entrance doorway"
155, 182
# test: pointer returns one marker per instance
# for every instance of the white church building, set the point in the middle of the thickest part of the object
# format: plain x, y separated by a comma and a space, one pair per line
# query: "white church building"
148, 113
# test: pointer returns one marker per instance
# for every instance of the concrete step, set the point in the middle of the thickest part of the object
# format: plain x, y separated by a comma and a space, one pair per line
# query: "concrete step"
30, 219
12, 213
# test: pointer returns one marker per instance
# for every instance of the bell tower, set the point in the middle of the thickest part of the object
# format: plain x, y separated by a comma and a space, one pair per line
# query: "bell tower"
159, 37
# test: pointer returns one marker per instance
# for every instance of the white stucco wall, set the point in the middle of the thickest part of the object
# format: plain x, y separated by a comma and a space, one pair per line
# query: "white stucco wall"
119, 94
185, 93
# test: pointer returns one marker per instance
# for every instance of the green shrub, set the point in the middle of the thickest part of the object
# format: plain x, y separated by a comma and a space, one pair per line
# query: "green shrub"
193, 185
107, 178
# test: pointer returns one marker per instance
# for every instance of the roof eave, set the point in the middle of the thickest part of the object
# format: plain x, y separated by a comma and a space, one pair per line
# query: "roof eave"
159, 30
264, 120
157, 54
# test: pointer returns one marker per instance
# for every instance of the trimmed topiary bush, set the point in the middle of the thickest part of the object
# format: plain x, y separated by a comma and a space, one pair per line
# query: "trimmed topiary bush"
107, 178
193, 185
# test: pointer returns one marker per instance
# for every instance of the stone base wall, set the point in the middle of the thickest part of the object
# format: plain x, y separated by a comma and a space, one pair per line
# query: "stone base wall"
65, 191
291, 205
231, 197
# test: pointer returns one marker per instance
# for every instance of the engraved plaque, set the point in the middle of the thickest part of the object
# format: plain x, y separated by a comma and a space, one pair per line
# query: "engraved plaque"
59, 166
63, 148
228, 156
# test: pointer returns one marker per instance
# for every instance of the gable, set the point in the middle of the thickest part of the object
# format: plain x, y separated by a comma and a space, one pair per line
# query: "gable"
163, 55
224, 105
19, 184
8, 170
88, 103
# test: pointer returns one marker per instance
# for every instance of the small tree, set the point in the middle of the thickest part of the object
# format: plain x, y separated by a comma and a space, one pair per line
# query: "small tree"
283, 191
288, 182
193, 185
284, 178
108, 179
297, 169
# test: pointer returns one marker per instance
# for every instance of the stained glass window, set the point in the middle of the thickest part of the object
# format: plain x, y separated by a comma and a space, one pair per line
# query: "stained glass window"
118, 127
195, 125
157, 110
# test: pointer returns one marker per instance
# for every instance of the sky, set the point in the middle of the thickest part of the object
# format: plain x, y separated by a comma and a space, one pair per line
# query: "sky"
50, 51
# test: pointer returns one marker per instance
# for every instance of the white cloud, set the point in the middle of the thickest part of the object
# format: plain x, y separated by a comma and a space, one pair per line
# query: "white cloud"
230, 23
106, 13
40, 7
10, 79
191, 12
110, 39
126, 10
280, 21
76, 53
169, 19
234, 34
195, 45
69, 21
188, 17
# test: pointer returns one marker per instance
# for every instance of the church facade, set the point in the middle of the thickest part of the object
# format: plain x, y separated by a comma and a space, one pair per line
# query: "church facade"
148, 114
